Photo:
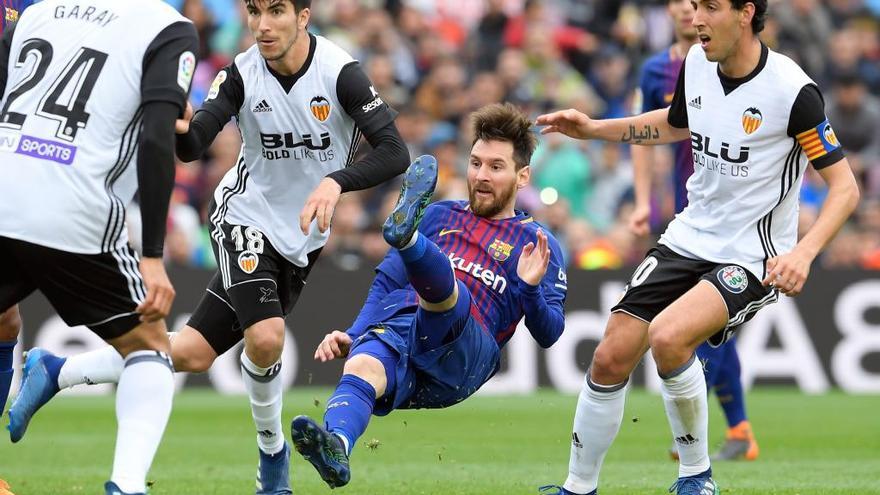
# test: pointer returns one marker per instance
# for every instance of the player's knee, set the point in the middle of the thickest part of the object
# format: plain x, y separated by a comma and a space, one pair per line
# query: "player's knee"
144, 337
10, 324
265, 341
663, 338
608, 366
369, 369
189, 361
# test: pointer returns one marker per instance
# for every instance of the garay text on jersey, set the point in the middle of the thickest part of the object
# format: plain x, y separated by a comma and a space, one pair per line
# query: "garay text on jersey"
87, 13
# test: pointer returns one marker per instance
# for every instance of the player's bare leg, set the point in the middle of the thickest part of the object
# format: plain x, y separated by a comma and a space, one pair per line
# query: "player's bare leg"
261, 373
600, 404
190, 352
674, 335
10, 326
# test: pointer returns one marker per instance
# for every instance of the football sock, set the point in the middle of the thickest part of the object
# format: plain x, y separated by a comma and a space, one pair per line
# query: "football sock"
143, 404
428, 269
712, 359
265, 388
684, 395
729, 387
103, 365
349, 409
5, 371
596, 422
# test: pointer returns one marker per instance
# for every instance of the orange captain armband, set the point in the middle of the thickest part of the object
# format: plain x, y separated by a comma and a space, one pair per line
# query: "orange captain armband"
818, 141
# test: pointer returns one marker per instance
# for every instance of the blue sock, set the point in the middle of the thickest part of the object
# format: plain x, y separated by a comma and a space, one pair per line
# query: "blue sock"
5, 372
53, 366
729, 387
428, 270
349, 408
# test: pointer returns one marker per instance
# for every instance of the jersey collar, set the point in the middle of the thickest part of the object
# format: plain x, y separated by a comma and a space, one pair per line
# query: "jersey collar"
287, 82
731, 83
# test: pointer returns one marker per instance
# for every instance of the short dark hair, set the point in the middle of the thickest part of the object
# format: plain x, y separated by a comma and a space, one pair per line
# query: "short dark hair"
760, 12
506, 122
298, 5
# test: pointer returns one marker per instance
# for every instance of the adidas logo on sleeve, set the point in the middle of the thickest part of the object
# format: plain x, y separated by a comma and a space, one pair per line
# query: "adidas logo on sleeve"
696, 103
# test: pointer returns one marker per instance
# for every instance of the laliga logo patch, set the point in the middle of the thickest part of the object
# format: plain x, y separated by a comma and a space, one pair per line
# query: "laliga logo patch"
320, 108
733, 278
248, 261
751, 120
215, 86
186, 67
500, 250
830, 137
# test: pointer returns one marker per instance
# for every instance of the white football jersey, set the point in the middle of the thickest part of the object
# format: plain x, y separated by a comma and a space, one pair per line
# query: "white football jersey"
71, 117
290, 142
743, 196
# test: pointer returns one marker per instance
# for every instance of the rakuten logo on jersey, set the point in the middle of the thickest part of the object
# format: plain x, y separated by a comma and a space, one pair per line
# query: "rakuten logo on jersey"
288, 146
488, 277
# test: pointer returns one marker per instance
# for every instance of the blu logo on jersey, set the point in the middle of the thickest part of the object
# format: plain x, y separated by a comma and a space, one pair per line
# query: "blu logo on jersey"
703, 144
278, 146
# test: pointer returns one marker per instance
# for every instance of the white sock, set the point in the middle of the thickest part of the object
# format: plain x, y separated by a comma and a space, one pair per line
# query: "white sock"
412, 241
102, 365
684, 394
143, 404
344, 441
596, 423
264, 387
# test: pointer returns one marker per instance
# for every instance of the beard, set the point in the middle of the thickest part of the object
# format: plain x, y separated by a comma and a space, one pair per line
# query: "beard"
488, 208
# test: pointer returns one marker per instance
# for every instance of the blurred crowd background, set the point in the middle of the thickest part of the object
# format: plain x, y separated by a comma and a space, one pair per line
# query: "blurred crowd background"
435, 61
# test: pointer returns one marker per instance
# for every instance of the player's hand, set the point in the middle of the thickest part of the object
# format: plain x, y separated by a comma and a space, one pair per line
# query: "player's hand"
533, 261
639, 220
181, 125
788, 273
570, 122
160, 292
335, 345
320, 204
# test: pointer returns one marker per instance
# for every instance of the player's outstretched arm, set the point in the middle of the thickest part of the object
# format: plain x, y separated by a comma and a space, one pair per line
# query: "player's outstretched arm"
542, 287
388, 156
789, 272
639, 219
650, 128
155, 169
533, 261
196, 133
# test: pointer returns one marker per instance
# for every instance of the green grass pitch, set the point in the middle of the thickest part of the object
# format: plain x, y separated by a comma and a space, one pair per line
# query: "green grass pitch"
825, 445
